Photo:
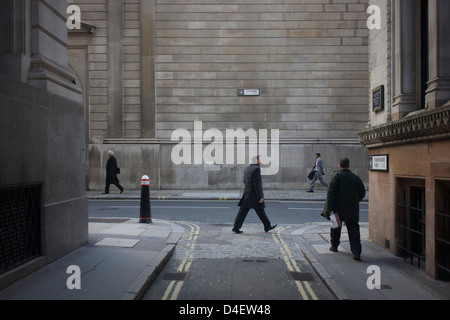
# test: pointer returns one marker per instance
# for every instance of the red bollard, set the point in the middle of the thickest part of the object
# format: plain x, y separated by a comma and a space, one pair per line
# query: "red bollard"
145, 214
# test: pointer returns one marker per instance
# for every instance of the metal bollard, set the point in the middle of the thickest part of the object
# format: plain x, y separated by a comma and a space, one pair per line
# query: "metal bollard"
145, 215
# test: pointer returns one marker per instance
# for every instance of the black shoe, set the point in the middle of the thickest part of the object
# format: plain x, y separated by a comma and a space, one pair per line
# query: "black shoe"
121, 191
310, 191
105, 193
333, 249
273, 226
237, 231
357, 257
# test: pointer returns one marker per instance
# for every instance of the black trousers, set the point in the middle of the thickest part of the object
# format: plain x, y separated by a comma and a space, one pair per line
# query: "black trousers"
242, 214
354, 236
116, 184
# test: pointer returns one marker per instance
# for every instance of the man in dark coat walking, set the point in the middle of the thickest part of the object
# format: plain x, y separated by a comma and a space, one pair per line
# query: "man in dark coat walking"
345, 192
111, 173
253, 197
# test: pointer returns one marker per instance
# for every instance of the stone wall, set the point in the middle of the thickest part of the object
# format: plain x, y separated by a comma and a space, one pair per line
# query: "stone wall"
42, 128
159, 66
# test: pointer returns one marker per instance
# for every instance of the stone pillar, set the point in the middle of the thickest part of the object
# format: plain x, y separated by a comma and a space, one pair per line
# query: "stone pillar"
115, 68
438, 92
33, 50
405, 59
147, 17
13, 61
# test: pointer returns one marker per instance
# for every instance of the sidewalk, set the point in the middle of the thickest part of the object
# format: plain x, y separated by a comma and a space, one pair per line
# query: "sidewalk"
281, 195
123, 257
347, 279
119, 262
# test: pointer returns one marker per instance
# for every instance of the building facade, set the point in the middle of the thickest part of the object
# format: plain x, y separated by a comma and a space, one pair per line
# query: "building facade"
43, 205
185, 92
409, 134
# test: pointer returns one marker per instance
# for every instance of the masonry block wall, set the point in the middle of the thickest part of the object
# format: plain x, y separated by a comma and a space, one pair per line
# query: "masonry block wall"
157, 66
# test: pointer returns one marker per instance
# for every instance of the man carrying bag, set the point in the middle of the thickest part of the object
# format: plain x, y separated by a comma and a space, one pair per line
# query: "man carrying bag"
346, 190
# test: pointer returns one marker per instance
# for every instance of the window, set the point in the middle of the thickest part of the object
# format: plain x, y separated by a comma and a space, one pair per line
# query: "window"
411, 217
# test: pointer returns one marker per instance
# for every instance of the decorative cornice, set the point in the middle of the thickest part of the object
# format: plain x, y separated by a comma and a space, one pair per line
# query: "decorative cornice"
422, 126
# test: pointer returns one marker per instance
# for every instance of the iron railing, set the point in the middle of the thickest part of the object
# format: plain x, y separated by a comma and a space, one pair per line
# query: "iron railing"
411, 226
20, 225
443, 244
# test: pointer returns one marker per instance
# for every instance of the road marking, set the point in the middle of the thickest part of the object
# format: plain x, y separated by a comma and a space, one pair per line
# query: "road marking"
318, 209
166, 207
174, 287
303, 286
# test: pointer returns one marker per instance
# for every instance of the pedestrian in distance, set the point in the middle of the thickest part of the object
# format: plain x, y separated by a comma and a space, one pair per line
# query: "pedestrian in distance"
318, 173
253, 197
345, 192
111, 173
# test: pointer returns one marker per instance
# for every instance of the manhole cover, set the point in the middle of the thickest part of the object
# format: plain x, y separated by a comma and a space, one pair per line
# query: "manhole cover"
178, 276
107, 220
300, 276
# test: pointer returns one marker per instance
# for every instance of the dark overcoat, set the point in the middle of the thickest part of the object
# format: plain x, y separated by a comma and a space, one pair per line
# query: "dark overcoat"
111, 171
253, 190
345, 192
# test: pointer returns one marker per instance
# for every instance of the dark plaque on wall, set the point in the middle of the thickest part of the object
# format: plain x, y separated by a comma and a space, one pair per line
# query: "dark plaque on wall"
378, 99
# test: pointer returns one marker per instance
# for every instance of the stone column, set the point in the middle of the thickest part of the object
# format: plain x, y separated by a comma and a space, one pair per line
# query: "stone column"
148, 68
115, 69
33, 45
405, 59
438, 92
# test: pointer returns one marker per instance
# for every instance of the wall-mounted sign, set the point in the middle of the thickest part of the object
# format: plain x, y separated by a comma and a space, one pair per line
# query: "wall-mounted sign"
379, 163
378, 99
249, 92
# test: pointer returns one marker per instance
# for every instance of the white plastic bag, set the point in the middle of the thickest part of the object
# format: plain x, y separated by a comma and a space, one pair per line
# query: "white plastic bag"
335, 220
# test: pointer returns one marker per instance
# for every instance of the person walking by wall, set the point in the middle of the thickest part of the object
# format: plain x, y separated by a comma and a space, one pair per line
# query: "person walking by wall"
253, 197
111, 173
344, 194
318, 173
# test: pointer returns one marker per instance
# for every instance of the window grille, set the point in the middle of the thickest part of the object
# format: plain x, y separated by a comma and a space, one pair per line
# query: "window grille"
20, 225
411, 225
443, 243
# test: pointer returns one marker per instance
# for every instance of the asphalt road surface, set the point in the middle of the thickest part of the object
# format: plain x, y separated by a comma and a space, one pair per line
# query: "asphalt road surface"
281, 212
213, 263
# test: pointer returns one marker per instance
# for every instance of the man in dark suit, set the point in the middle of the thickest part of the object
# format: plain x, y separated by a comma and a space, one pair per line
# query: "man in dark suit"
111, 173
253, 197
345, 192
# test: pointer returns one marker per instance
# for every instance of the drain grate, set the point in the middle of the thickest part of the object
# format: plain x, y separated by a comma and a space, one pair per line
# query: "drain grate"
106, 220
300, 276
178, 276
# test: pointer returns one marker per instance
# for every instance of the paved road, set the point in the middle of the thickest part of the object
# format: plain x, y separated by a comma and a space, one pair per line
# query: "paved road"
280, 212
212, 263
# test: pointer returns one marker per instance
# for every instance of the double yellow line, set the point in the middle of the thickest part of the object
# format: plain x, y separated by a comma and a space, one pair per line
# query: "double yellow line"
174, 288
303, 286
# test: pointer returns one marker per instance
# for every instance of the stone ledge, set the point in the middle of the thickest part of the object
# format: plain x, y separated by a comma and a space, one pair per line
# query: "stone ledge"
417, 127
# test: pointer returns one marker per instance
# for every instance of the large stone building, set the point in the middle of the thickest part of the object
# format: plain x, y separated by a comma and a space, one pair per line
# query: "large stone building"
43, 205
163, 86
409, 134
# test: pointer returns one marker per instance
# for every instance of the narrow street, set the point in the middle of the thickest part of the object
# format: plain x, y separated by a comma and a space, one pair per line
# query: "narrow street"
212, 263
